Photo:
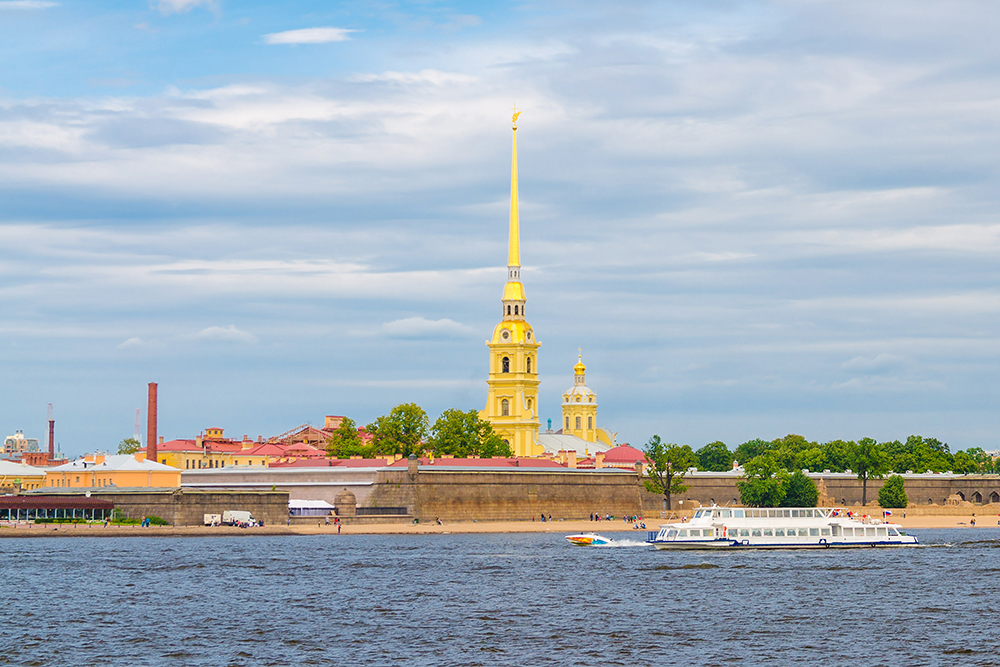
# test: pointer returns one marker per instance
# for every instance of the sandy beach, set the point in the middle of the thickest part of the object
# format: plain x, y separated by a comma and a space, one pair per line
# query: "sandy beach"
568, 526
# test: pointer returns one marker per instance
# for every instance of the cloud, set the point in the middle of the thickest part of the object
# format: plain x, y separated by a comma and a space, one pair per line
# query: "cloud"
431, 76
131, 342
179, 6
419, 327
230, 333
26, 4
309, 36
873, 364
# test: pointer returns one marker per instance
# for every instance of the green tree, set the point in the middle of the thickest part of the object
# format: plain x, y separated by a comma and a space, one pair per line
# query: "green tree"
402, 431
667, 463
715, 456
812, 459
129, 446
464, 434
346, 442
764, 482
867, 461
836, 454
800, 491
964, 464
752, 449
893, 492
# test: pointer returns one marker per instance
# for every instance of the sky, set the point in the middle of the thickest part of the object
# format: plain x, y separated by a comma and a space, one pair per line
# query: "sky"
755, 218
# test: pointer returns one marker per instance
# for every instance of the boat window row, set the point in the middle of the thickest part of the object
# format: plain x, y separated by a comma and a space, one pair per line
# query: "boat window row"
762, 514
868, 531
695, 532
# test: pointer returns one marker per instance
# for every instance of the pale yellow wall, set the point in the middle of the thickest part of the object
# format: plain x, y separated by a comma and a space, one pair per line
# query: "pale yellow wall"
28, 482
197, 459
95, 478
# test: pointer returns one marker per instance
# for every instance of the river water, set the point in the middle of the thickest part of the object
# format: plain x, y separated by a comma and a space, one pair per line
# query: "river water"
522, 599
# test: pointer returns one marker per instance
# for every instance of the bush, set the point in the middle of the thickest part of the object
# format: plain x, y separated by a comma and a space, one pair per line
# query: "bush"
800, 491
893, 493
157, 521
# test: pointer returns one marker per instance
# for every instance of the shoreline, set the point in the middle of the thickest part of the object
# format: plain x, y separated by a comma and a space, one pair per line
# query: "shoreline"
563, 527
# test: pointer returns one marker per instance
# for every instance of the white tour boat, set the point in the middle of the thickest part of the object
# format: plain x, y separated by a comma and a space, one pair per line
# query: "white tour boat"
778, 528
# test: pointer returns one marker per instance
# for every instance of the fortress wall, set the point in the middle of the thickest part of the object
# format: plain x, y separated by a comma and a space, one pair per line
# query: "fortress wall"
188, 507
521, 495
511, 495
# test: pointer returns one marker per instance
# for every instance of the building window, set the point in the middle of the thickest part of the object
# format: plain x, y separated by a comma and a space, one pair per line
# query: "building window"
529, 364
505, 365
505, 408
508, 310
515, 310
567, 423
529, 403
590, 422
578, 423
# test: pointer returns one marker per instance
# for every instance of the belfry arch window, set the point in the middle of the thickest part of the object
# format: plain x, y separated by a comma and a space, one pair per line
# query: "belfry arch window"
578, 423
508, 310
515, 310
505, 365
505, 408
590, 422
529, 364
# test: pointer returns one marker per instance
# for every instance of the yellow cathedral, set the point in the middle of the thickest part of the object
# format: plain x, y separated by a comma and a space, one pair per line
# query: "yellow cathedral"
512, 400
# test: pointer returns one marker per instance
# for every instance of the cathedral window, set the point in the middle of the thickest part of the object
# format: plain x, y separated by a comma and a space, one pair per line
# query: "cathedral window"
515, 310
529, 364
505, 365
508, 310
529, 403
578, 423
590, 422
505, 408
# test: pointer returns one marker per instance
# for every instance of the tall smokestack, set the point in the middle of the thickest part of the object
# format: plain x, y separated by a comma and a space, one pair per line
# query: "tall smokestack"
52, 435
151, 424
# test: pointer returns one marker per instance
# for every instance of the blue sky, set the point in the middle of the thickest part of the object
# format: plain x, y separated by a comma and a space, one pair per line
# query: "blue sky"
755, 218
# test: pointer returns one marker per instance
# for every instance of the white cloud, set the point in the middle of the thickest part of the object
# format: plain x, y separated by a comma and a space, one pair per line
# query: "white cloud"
180, 6
26, 4
873, 364
419, 327
131, 342
431, 76
230, 333
309, 36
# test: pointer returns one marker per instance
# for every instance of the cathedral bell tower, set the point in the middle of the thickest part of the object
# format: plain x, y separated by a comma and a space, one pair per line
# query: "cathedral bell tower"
512, 399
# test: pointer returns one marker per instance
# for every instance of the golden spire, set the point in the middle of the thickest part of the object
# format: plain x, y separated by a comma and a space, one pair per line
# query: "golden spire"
579, 369
514, 248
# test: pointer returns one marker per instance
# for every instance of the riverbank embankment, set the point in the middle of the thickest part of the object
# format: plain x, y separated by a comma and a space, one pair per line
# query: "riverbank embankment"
960, 518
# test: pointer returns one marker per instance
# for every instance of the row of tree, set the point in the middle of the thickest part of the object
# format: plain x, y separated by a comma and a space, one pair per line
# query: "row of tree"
772, 470
407, 430
794, 452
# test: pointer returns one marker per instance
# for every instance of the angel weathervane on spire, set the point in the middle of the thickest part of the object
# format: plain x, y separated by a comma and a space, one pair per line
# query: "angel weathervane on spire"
513, 119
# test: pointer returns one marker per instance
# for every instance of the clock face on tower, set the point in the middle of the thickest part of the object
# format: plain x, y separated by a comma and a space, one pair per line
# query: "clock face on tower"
505, 334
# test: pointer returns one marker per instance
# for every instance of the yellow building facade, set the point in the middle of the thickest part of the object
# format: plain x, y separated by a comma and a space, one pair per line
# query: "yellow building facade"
579, 409
121, 470
512, 398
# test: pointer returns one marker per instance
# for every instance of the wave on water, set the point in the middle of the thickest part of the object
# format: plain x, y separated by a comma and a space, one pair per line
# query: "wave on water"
624, 543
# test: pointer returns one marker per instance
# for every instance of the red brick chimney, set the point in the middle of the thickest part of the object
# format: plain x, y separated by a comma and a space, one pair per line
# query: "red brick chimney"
151, 424
52, 439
